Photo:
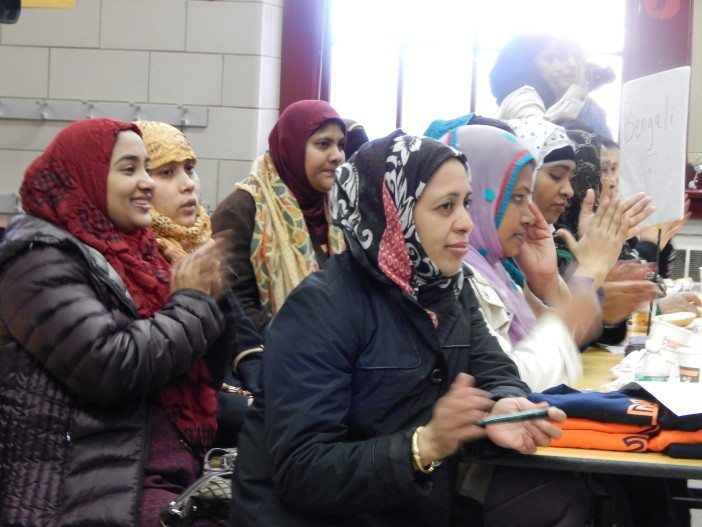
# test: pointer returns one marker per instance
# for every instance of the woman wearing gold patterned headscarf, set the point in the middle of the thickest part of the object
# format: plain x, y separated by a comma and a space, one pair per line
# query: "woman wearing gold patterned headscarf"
181, 225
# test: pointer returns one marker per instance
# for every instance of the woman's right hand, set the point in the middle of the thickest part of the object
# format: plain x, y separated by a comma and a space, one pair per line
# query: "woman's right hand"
198, 270
625, 270
453, 420
621, 298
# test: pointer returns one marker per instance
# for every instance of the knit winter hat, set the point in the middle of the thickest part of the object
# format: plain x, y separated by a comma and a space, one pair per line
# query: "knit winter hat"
165, 143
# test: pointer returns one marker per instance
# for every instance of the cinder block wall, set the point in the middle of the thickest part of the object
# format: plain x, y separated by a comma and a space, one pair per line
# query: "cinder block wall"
221, 54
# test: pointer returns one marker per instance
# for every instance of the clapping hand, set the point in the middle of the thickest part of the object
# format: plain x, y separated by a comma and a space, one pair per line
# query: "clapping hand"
598, 249
198, 270
638, 207
668, 229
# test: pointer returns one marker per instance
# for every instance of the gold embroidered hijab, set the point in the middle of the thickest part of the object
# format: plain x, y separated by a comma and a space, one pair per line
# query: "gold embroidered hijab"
165, 144
176, 241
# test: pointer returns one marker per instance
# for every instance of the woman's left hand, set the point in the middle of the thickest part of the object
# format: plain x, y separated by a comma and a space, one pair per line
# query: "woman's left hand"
524, 436
537, 257
668, 229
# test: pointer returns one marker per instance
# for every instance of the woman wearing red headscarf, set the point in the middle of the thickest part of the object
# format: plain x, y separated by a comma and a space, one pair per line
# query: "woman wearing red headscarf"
277, 219
106, 362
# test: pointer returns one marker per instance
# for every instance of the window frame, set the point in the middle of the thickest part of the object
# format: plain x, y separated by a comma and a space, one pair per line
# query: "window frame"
306, 46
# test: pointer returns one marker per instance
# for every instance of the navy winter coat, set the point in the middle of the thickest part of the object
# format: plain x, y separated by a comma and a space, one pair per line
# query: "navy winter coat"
352, 367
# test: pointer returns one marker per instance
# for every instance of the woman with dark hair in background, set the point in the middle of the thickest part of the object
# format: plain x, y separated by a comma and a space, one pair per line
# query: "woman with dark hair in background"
277, 220
645, 243
555, 70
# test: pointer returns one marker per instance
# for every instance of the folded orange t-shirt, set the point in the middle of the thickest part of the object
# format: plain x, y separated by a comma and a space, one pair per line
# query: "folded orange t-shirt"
584, 433
668, 437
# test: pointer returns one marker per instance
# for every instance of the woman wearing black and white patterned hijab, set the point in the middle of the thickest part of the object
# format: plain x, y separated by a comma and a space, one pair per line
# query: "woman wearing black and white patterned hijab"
373, 202
368, 357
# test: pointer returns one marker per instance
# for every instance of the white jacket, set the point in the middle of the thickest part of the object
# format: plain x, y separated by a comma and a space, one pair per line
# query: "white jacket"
526, 102
547, 356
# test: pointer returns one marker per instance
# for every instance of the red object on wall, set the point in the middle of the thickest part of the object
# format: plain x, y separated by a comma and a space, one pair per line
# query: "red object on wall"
657, 36
304, 70
695, 202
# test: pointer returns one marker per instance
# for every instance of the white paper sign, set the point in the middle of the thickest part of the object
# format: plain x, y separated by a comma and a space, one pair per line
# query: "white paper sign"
653, 140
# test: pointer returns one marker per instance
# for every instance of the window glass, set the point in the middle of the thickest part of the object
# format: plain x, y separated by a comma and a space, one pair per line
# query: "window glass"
441, 42
428, 92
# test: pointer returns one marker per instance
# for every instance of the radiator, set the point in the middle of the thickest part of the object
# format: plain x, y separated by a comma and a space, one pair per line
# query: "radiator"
687, 263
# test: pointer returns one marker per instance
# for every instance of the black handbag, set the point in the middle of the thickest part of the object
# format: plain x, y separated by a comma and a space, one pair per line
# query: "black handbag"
209, 496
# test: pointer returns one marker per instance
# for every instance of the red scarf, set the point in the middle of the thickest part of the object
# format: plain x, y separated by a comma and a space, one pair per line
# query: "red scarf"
286, 145
67, 186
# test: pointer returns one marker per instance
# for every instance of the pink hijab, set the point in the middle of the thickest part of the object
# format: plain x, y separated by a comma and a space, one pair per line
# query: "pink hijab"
495, 158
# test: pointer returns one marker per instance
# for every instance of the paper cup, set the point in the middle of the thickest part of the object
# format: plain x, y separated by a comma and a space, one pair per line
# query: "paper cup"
673, 337
689, 364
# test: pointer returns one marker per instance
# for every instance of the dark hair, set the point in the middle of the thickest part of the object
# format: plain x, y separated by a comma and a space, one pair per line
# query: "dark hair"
487, 121
515, 68
356, 137
333, 120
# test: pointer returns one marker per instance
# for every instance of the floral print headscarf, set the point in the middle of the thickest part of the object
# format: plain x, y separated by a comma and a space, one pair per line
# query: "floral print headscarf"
373, 202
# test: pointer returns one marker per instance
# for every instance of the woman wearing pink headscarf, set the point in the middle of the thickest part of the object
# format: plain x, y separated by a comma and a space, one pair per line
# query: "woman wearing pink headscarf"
509, 225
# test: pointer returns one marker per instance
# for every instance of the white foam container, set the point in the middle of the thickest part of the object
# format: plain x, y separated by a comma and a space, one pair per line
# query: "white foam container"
673, 337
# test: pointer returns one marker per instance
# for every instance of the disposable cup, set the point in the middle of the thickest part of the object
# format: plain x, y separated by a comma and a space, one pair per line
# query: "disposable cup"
689, 364
673, 337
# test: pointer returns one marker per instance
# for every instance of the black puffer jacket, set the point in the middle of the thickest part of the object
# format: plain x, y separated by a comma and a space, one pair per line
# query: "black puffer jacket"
76, 367
352, 366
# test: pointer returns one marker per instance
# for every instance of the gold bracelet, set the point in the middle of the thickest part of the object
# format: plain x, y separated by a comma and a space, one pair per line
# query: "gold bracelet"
417, 459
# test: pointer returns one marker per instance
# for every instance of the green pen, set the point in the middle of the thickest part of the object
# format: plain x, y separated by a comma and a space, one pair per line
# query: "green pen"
513, 417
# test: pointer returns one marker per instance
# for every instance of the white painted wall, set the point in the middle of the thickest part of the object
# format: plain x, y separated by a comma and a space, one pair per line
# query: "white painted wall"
222, 54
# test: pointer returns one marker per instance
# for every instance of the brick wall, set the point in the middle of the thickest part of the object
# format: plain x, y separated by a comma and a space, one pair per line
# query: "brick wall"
221, 54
